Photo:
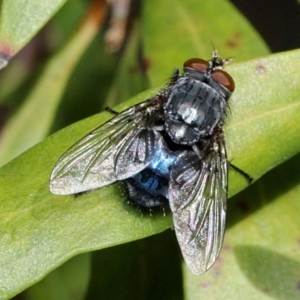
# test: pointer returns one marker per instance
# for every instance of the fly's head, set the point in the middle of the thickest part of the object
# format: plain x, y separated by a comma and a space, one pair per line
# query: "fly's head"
212, 73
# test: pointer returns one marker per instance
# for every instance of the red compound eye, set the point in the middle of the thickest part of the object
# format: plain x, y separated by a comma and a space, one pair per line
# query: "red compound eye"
197, 64
223, 78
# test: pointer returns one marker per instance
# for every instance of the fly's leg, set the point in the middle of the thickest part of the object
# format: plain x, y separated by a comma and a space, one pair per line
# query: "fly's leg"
246, 175
108, 109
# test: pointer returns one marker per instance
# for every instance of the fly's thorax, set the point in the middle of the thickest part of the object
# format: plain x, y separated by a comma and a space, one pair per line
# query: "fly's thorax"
192, 111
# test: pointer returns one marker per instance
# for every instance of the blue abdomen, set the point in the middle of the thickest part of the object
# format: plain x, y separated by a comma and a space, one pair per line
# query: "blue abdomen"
150, 187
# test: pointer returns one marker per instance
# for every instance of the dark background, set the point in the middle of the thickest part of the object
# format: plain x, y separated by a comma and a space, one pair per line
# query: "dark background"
278, 22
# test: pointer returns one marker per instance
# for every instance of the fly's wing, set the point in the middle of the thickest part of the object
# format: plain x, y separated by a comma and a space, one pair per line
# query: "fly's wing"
114, 151
198, 195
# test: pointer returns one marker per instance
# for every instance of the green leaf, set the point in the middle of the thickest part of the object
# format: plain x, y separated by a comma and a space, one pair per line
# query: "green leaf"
264, 108
176, 30
129, 79
140, 268
24, 68
67, 282
33, 120
21, 20
39, 230
45, 230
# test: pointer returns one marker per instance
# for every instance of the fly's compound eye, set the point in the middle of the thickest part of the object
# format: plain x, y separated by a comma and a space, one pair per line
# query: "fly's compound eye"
223, 78
197, 64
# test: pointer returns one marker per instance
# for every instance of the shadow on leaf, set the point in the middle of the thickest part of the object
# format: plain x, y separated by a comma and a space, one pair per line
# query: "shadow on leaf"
270, 272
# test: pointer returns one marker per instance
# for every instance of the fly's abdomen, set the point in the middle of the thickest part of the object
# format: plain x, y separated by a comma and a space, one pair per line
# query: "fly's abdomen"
150, 187
150, 182
163, 162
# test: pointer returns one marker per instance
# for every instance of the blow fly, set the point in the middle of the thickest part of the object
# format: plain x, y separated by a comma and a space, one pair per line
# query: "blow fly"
170, 150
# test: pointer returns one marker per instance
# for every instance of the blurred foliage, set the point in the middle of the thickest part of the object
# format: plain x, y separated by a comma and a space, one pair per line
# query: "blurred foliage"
65, 74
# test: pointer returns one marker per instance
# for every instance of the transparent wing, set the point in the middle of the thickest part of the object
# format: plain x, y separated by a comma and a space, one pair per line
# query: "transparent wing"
198, 195
118, 149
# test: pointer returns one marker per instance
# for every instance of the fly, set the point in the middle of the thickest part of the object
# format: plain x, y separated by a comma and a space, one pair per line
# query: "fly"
170, 150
